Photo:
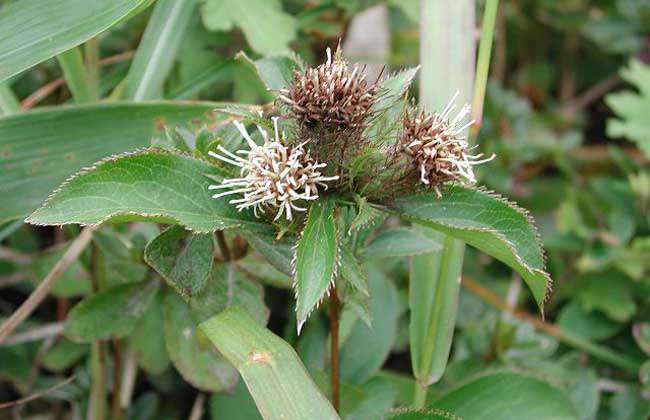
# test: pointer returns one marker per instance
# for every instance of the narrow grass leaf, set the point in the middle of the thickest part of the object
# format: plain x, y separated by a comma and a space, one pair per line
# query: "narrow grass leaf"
34, 30
41, 148
273, 372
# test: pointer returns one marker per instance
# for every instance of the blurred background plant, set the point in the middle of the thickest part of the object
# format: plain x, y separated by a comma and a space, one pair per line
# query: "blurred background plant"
567, 113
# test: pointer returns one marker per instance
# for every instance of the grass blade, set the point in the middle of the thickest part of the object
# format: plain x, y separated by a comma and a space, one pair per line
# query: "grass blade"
74, 71
272, 370
157, 51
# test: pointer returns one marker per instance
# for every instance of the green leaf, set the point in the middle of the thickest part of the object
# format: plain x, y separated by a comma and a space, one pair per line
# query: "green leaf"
111, 313
182, 258
64, 355
609, 292
632, 108
148, 338
399, 242
157, 50
275, 72
33, 31
316, 259
152, 184
272, 370
257, 19
238, 405
588, 325
422, 414
394, 87
366, 349
41, 148
488, 222
204, 369
227, 287
353, 271
506, 396
277, 252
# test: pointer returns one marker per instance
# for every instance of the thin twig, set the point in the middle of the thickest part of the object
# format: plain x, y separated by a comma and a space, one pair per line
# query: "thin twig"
335, 309
35, 334
197, 407
591, 95
128, 379
14, 256
37, 394
47, 89
223, 246
11, 279
43, 289
116, 409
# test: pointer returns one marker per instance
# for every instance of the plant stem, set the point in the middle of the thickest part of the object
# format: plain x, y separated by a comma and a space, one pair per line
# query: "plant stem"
8, 102
116, 409
91, 50
97, 403
74, 71
223, 246
483, 64
335, 309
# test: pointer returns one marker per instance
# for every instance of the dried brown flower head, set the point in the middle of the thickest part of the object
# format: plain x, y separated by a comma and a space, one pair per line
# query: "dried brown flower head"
437, 147
332, 94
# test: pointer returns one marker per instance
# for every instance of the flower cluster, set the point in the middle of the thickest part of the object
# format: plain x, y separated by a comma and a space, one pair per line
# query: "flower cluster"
272, 176
331, 94
437, 147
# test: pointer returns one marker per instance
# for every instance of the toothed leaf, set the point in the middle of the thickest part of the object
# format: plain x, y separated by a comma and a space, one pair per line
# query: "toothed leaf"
394, 87
488, 222
315, 259
154, 184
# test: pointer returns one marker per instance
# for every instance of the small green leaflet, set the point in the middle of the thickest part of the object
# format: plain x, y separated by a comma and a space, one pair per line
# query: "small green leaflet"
182, 258
488, 222
316, 258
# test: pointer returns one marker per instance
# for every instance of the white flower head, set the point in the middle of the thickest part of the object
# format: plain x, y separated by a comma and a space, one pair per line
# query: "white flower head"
272, 176
439, 148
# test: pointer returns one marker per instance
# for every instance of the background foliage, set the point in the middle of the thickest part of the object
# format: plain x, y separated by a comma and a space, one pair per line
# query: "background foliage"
568, 120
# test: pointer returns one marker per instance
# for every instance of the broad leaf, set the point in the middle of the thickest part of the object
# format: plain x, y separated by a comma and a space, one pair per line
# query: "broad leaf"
32, 31
632, 108
152, 184
41, 148
238, 405
275, 72
268, 29
366, 348
272, 370
316, 258
227, 287
182, 258
505, 396
111, 313
277, 252
488, 222
203, 368
148, 339
399, 242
